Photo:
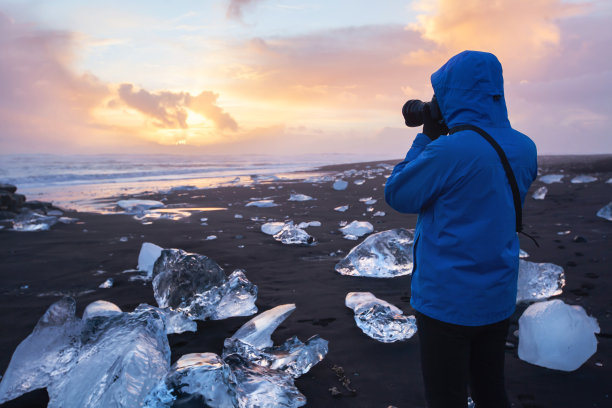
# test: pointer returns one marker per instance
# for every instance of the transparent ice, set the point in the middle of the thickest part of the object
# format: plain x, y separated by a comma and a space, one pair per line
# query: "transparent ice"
139, 206
101, 308
583, 179
176, 322
357, 228
272, 228
309, 224
261, 203
539, 281
606, 212
149, 253
342, 208
290, 234
552, 178
340, 185
257, 332
201, 379
103, 361
300, 197
380, 320
540, 193
386, 254
107, 284
556, 335
523, 254
29, 221
196, 286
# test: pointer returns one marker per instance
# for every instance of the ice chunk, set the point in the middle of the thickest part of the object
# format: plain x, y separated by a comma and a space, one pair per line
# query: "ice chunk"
149, 253
556, 335
257, 332
300, 197
262, 387
539, 281
379, 214
386, 254
292, 357
289, 234
139, 206
342, 208
368, 200
609, 181
523, 254
67, 220
196, 286
357, 228
176, 322
552, 178
101, 308
309, 224
203, 379
238, 216
340, 185
583, 179
606, 212
540, 193
107, 284
359, 182
121, 359
272, 228
29, 221
380, 320
47, 353
262, 203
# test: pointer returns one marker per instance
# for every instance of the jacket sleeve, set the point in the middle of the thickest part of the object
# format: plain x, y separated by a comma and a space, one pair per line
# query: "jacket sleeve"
420, 178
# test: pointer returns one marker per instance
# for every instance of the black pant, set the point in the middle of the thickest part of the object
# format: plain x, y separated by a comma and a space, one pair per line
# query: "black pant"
453, 357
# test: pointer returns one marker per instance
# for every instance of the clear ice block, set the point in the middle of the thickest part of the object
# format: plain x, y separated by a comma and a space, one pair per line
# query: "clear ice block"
540, 193
357, 228
606, 212
380, 320
29, 221
386, 254
101, 308
290, 234
176, 322
539, 281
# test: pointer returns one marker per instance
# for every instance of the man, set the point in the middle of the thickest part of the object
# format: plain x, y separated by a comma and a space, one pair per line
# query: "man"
466, 246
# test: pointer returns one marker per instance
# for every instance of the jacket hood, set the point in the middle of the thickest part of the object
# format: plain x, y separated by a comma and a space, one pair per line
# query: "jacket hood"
470, 90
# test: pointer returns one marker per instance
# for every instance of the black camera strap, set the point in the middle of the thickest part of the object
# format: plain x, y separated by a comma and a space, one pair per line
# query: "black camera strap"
509, 173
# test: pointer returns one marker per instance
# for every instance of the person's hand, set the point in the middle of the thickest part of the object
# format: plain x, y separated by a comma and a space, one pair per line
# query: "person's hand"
431, 127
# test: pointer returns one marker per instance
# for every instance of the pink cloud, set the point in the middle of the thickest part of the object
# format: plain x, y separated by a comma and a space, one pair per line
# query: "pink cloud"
235, 9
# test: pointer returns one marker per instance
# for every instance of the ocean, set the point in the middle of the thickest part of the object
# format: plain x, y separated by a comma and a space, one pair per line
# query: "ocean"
83, 182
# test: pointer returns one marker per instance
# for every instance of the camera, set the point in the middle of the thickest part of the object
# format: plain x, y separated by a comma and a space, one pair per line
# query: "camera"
417, 112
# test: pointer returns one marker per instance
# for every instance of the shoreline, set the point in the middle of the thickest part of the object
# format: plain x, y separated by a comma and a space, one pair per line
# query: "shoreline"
76, 258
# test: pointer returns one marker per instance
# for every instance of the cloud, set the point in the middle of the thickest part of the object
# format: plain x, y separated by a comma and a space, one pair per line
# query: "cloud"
236, 8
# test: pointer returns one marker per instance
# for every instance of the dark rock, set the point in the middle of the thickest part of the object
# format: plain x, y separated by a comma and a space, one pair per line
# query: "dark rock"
9, 188
38, 205
579, 238
10, 201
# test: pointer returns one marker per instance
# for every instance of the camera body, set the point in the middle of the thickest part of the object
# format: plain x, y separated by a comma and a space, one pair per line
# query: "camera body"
417, 112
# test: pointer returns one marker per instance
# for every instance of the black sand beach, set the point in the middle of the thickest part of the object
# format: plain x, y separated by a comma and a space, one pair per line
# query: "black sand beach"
76, 258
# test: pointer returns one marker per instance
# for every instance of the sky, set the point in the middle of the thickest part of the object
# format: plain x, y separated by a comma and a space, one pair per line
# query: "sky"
288, 77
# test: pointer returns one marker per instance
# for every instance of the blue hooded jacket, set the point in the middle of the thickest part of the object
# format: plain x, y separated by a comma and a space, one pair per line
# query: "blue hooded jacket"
466, 246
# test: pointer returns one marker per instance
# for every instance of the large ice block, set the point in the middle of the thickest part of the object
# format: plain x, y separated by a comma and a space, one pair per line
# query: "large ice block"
290, 234
176, 322
556, 335
386, 254
357, 229
539, 281
262, 387
380, 320
29, 221
272, 228
101, 308
606, 212
197, 379
149, 253
47, 353
257, 332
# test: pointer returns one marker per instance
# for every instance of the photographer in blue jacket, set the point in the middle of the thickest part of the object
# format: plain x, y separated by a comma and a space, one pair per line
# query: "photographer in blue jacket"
466, 245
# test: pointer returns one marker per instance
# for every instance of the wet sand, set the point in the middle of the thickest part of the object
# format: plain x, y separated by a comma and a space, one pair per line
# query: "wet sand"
76, 258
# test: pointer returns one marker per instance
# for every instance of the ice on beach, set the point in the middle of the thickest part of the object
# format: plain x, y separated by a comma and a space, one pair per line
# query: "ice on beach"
556, 335
386, 254
342, 208
300, 197
309, 224
139, 206
176, 322
552, 178
272, 228
368, 200
30, 221
198, 377
523, 254
609, 181
238, 216
379, 214
606, 212
290, 234
380, 320
197, 286
340, 185
359, 182
101, 308
253, 342
211, 237
98, 362
149, 253
583, 179
357, 228
261, 203
540, 193
539, 281
67, 220
107, 284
